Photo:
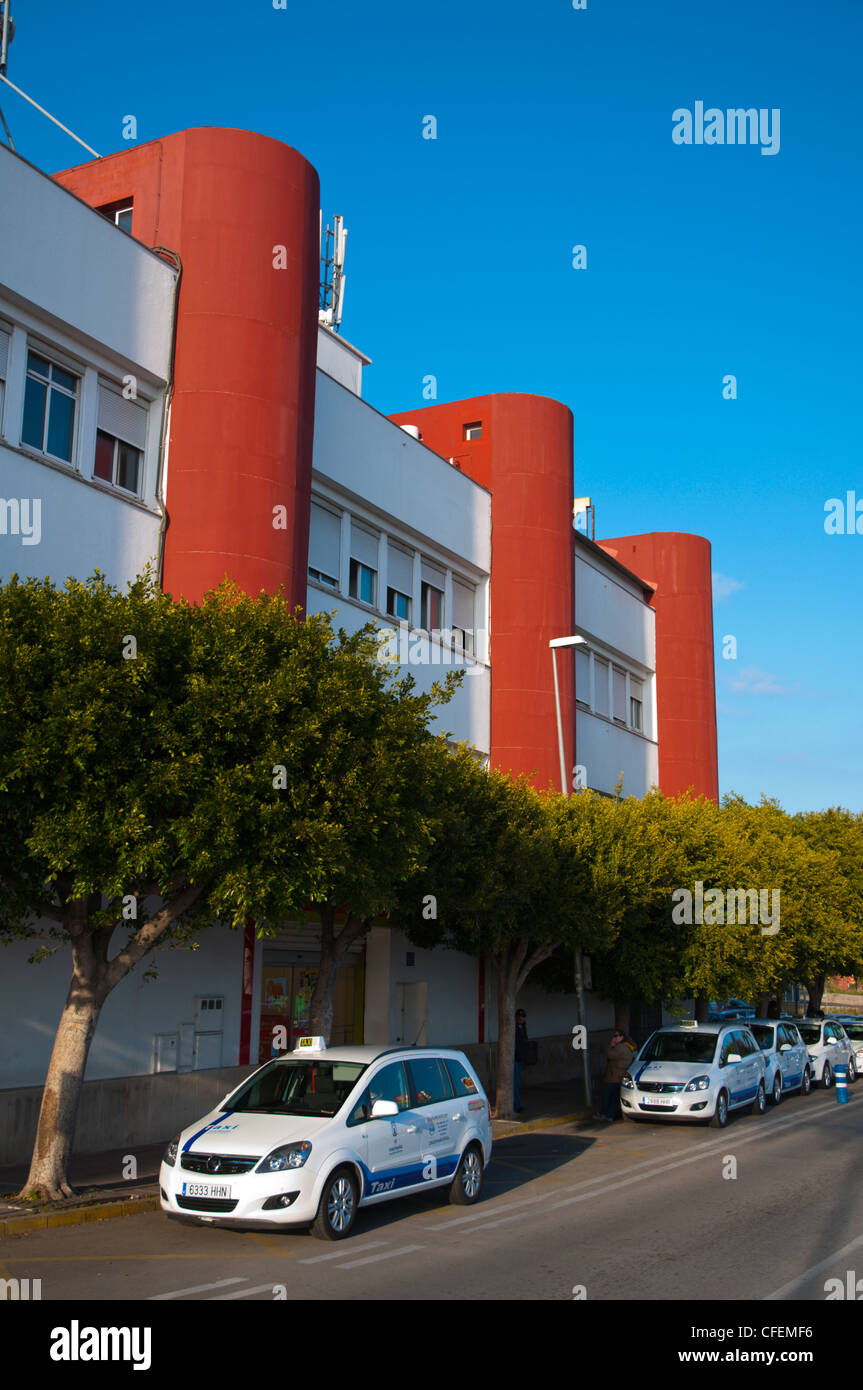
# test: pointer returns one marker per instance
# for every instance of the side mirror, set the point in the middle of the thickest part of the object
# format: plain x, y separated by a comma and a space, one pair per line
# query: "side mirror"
831, 1042
383, 1109
734, 1057
785, 1047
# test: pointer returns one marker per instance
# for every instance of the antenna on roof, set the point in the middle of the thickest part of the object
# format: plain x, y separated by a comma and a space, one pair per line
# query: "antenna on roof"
333, 276
7, 33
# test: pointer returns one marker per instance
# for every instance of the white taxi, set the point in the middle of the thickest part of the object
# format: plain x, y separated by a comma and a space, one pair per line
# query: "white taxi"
695, 1072
828, 1045
310, 1137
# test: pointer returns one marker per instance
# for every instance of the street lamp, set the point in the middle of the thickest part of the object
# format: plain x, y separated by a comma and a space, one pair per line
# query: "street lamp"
554, 644
564, 783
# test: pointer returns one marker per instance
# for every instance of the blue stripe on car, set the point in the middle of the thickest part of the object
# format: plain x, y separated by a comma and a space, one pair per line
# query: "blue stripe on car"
212, 1125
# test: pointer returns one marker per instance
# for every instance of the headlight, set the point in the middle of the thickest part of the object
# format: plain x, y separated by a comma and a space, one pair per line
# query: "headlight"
288, 1156
698, 1083
627, 1083
813, 1056
170, 1154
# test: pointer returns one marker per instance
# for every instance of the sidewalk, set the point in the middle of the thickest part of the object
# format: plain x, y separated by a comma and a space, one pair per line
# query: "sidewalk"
102, 1192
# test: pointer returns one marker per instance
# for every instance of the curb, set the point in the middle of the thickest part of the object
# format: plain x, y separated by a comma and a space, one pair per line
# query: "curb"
77, 1216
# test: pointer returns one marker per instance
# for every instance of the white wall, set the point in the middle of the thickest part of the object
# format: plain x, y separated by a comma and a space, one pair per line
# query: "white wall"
606, 750
369, 457
60, 256
341, 360
135, 1011
609, 608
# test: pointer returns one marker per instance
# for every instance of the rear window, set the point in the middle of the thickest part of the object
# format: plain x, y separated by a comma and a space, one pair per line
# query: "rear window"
463, 1083
431, 1082
854, 1030
680, 1047
810, 1032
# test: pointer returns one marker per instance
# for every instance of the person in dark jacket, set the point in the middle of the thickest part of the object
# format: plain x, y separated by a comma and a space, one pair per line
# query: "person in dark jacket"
522, 1055
617, 1059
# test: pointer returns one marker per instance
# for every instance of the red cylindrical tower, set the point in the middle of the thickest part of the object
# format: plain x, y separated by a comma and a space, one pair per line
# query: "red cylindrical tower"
241, 210
524, 457
678, 566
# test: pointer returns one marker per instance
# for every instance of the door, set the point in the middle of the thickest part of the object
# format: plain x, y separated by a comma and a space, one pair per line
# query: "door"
391, 1144
441, 1119
413, 1013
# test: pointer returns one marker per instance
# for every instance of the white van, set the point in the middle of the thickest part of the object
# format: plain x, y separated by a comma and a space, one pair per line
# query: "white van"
312, 1136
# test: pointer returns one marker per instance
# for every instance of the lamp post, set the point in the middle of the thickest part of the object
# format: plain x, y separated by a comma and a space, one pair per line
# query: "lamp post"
564, 786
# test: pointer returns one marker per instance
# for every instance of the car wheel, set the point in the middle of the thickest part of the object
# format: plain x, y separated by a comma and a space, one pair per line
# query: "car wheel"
827, 1077
759, 1105
852, 1071
776, 1090
719, 1118
337, 1209
806, 1084
467, 1183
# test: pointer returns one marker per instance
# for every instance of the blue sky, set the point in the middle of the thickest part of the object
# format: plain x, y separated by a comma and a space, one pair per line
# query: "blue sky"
554, 129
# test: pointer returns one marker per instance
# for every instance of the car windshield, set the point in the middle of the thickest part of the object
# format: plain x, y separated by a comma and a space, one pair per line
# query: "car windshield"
298, 1088
763, 1035
680, 1047
810, 1032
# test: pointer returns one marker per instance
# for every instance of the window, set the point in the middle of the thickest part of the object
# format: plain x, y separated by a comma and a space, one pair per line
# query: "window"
600, 682
325, 531
462, 1083
636, 708
364, 564
50, 398
473, 430
117, 463
400, 585
582, 677
431, 1083
119, 213
463, 634
120, 441
433, 581
4, 359
432, 600
619, 696
390, 1083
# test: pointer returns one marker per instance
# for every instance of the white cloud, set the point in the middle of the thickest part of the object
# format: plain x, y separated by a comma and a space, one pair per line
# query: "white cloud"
723, 585
753, 681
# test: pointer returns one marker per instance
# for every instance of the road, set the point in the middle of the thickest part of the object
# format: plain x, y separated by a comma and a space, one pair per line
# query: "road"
629, 1211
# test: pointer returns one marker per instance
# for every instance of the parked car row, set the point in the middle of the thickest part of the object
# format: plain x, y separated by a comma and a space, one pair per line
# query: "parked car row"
704, 1071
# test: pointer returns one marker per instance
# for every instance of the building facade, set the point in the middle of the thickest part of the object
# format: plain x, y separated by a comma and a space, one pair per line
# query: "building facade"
169, 396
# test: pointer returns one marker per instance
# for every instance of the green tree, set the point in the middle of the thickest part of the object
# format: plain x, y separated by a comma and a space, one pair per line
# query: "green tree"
164, 766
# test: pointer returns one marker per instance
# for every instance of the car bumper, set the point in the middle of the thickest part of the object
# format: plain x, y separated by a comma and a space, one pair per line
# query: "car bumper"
181, 1193
692, 1105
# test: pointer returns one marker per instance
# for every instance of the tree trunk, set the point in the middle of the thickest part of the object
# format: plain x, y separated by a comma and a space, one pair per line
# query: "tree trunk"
815, 988
334, 947
513, 967
55, 1132
93, 978
507, 975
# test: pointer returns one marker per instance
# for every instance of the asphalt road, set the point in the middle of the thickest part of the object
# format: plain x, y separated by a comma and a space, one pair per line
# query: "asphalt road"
629, 1211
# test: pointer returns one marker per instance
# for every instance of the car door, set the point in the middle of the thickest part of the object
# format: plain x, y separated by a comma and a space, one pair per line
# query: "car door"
442, 1119
794, 1061
387, 1146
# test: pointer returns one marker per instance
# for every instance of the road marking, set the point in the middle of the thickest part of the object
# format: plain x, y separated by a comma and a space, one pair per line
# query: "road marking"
197, 1288
704, 1150
815, 1269
486, 1212
245, 1293
387, 1255
340, 1254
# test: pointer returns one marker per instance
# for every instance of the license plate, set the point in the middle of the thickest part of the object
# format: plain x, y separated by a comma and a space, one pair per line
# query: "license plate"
206, 1189
662, 1100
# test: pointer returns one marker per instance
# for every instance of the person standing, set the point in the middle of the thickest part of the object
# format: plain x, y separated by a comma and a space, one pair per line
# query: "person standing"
522, 1056
617, 1060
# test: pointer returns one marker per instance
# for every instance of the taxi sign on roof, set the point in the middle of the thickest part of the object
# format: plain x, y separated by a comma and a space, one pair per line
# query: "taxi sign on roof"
311, 1044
